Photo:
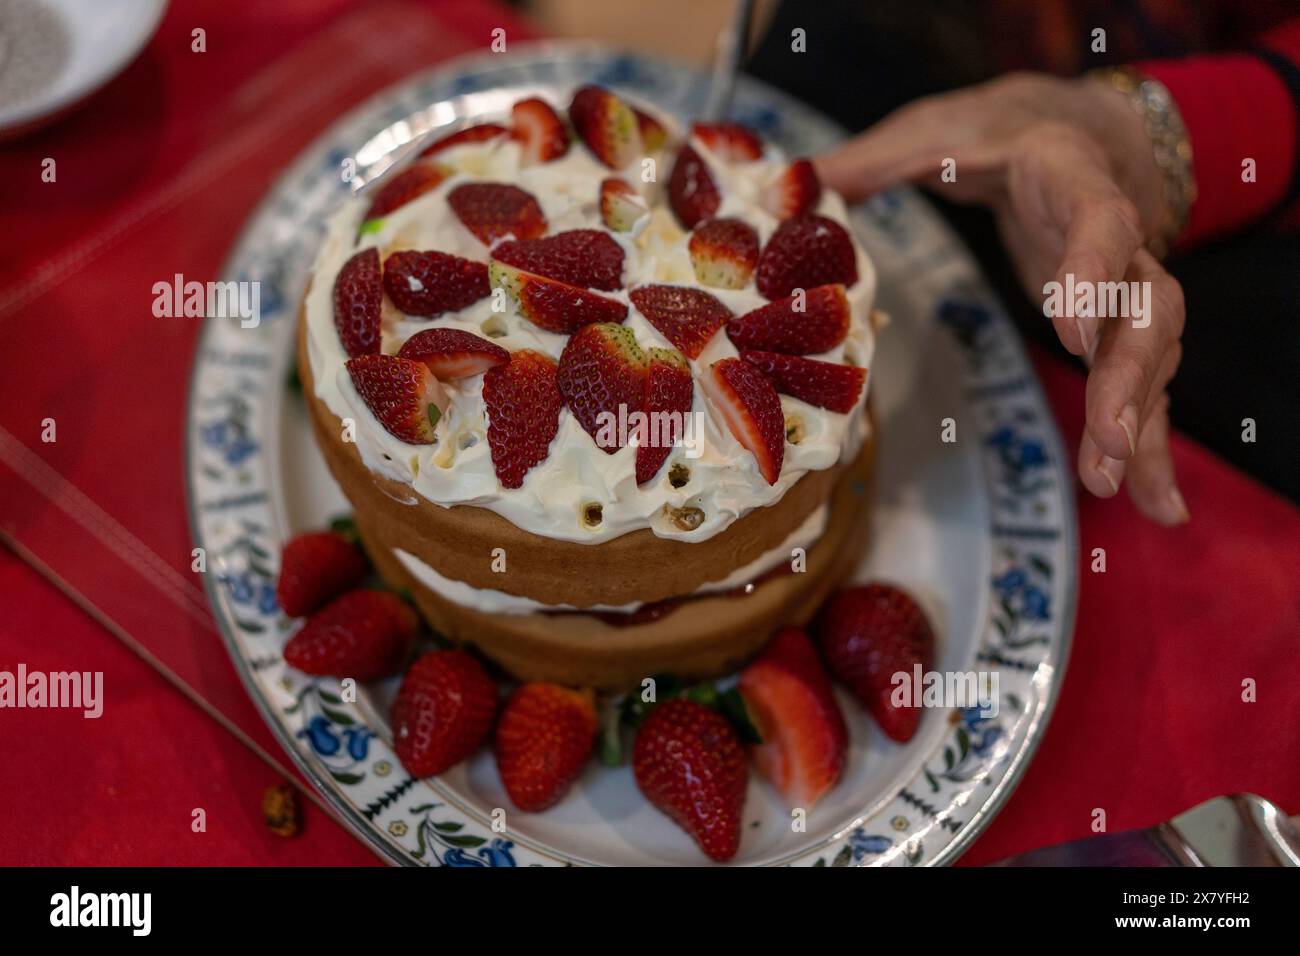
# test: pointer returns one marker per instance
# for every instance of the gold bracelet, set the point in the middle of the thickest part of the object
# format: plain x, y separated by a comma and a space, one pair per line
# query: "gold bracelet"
1173, 150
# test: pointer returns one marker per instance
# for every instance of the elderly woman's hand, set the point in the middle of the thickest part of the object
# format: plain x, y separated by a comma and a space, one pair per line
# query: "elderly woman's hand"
1068, 169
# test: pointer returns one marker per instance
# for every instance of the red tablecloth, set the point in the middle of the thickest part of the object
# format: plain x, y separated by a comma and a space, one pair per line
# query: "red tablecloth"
155, 176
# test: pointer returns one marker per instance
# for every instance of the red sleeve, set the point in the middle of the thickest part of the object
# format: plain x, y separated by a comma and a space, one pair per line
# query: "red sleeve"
1237, 106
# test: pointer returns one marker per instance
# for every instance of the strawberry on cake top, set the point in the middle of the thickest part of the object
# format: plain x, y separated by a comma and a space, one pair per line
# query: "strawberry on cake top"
476, 314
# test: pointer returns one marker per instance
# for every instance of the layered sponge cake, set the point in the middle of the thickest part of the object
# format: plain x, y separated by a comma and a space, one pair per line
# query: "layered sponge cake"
597, 389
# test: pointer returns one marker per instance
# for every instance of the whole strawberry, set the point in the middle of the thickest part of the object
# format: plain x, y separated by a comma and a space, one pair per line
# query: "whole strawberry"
363, 635
689, 763
543, 739
867, 635
443, 712
315, 567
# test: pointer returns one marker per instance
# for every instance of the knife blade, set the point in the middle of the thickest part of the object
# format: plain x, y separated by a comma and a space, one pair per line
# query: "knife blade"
1240, 829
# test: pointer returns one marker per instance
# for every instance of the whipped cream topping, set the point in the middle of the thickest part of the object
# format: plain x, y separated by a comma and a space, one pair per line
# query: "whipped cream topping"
489, 601
724, 481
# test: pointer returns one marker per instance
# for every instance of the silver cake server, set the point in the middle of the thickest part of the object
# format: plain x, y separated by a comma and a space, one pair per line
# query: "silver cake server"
1237, 830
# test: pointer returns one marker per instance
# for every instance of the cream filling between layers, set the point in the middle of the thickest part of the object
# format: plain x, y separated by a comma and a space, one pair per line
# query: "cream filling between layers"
489, 601
457, 470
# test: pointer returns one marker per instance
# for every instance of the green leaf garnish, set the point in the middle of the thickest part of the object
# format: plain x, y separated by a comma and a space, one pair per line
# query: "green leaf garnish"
345, 527
733, 707
610, 745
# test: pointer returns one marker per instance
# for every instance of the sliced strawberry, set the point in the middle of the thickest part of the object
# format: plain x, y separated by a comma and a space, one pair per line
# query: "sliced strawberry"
431, 283
692, 192
543, 739
669, 394
315, 567
724, 253
407, 185
824, 384
690, 764
495, 211
364, 635
401, 393
620, 206
482, 133
749, 405
729, 141
358, 303
540, 131
587, 258
794, 192
869, 634
805, 741
602, 369
523, 406
804, 252
780, 326
453, 353
653, 133
442, 713
607, 125
551, 305
687, 317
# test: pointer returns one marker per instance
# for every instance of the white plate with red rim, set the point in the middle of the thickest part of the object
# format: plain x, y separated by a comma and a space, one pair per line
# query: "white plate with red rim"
981, 530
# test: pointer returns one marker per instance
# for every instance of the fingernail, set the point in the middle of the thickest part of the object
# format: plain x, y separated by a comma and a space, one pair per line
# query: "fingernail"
1084, 337
1128, 420
1179, 505
1112, 469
